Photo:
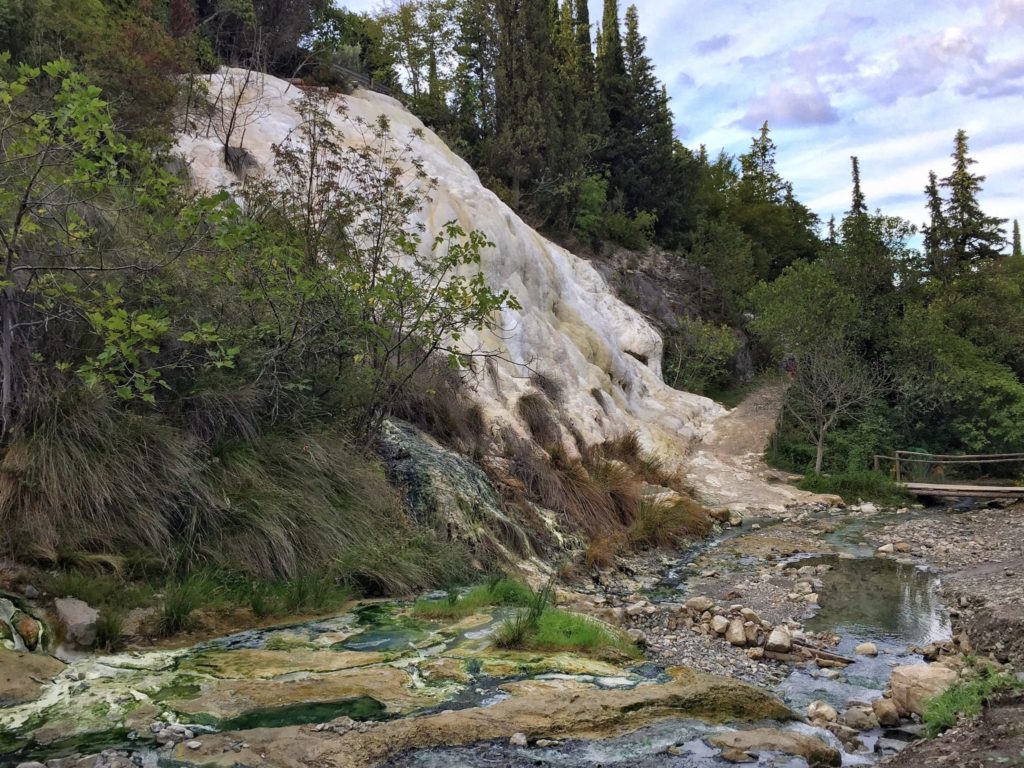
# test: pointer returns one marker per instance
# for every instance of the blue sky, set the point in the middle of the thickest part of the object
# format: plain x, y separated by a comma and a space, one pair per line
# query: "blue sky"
890, 82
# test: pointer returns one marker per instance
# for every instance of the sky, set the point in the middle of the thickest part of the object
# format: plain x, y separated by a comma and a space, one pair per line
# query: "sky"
889, 81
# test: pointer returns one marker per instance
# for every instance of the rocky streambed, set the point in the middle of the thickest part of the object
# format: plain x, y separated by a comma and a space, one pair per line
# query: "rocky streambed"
774, 642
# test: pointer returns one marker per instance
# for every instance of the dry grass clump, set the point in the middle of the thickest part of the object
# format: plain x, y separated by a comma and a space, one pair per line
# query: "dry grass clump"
666, 524
437, 402
86, 481
536, 412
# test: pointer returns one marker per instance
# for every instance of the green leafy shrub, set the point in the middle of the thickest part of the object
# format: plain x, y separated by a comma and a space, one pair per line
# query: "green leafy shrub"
109, 630
698, 356
853, 486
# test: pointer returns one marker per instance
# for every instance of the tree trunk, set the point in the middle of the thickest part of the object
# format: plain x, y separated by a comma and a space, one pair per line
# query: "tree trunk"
820, 453
7, 363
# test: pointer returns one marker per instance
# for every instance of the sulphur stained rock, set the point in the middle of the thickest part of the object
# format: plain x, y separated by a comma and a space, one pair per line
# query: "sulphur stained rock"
915, 685
812, 749
535, 708
571, 326
30, 630
23, 676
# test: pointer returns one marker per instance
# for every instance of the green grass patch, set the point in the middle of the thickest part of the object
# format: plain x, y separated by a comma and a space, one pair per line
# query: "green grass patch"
542, 627
455, 606
853, 486
181, 600
965, 700
100, 589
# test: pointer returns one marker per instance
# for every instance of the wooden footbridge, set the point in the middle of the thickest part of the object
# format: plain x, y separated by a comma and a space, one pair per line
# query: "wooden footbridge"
947, 476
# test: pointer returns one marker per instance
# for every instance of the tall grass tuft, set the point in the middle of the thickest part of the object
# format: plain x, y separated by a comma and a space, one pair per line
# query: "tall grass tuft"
667, 524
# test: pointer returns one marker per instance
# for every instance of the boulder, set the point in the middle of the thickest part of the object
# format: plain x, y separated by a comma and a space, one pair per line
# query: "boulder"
860, 718
886, 549
822, 710
869, 508
812, 749
913, 686
636, 608
886, 712
902, 546
700, 604
866, 649
736, 634
779, 641
719, 624
751, 631
78, 619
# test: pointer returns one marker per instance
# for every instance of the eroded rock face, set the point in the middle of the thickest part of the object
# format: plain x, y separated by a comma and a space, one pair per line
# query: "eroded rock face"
24, 675
915, 685
536, 709
571, 327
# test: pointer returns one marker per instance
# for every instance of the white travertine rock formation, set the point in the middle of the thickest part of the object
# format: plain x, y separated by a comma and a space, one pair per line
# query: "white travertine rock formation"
571, 327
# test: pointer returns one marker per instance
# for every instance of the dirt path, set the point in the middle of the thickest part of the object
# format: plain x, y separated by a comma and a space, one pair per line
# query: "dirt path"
727, 468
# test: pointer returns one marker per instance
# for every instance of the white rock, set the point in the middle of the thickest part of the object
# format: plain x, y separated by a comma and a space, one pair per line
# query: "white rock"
779, 640
736, 634
571, 325
886, 549
636, 608
869, 508
700, 604
822, 710
519, 740
194, 744
866, 649
915, 685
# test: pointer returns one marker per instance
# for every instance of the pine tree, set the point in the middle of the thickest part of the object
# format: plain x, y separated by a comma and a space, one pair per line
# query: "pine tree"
857, 207
761, 181
972, 235
1016, 252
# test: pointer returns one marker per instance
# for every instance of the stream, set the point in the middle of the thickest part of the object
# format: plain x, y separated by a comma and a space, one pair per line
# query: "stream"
378, 663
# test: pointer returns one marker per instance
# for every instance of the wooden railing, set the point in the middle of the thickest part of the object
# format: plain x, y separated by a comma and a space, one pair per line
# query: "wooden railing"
933, 480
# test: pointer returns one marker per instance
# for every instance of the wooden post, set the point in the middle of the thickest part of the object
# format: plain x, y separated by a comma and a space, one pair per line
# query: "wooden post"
878, 465
899, 474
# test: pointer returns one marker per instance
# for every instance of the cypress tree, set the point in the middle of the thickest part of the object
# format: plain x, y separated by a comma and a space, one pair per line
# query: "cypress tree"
972, 235
857, 207
935, 231
1016, 252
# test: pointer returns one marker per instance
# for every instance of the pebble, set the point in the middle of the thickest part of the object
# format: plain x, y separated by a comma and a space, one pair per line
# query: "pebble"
518, 740
194, 744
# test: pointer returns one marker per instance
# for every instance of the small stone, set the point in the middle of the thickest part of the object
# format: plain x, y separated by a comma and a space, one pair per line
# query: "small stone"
886, 549
902, 546
736, 634
779, 640
674, 750
822, 710
30, 592
737, 756
547, 743
755, 527
518, 740
886, 712
193, 744
868, 508
637, 636
750, 615
719, 624
32, 764
866, 649
860, 718
700, 604
636, 608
